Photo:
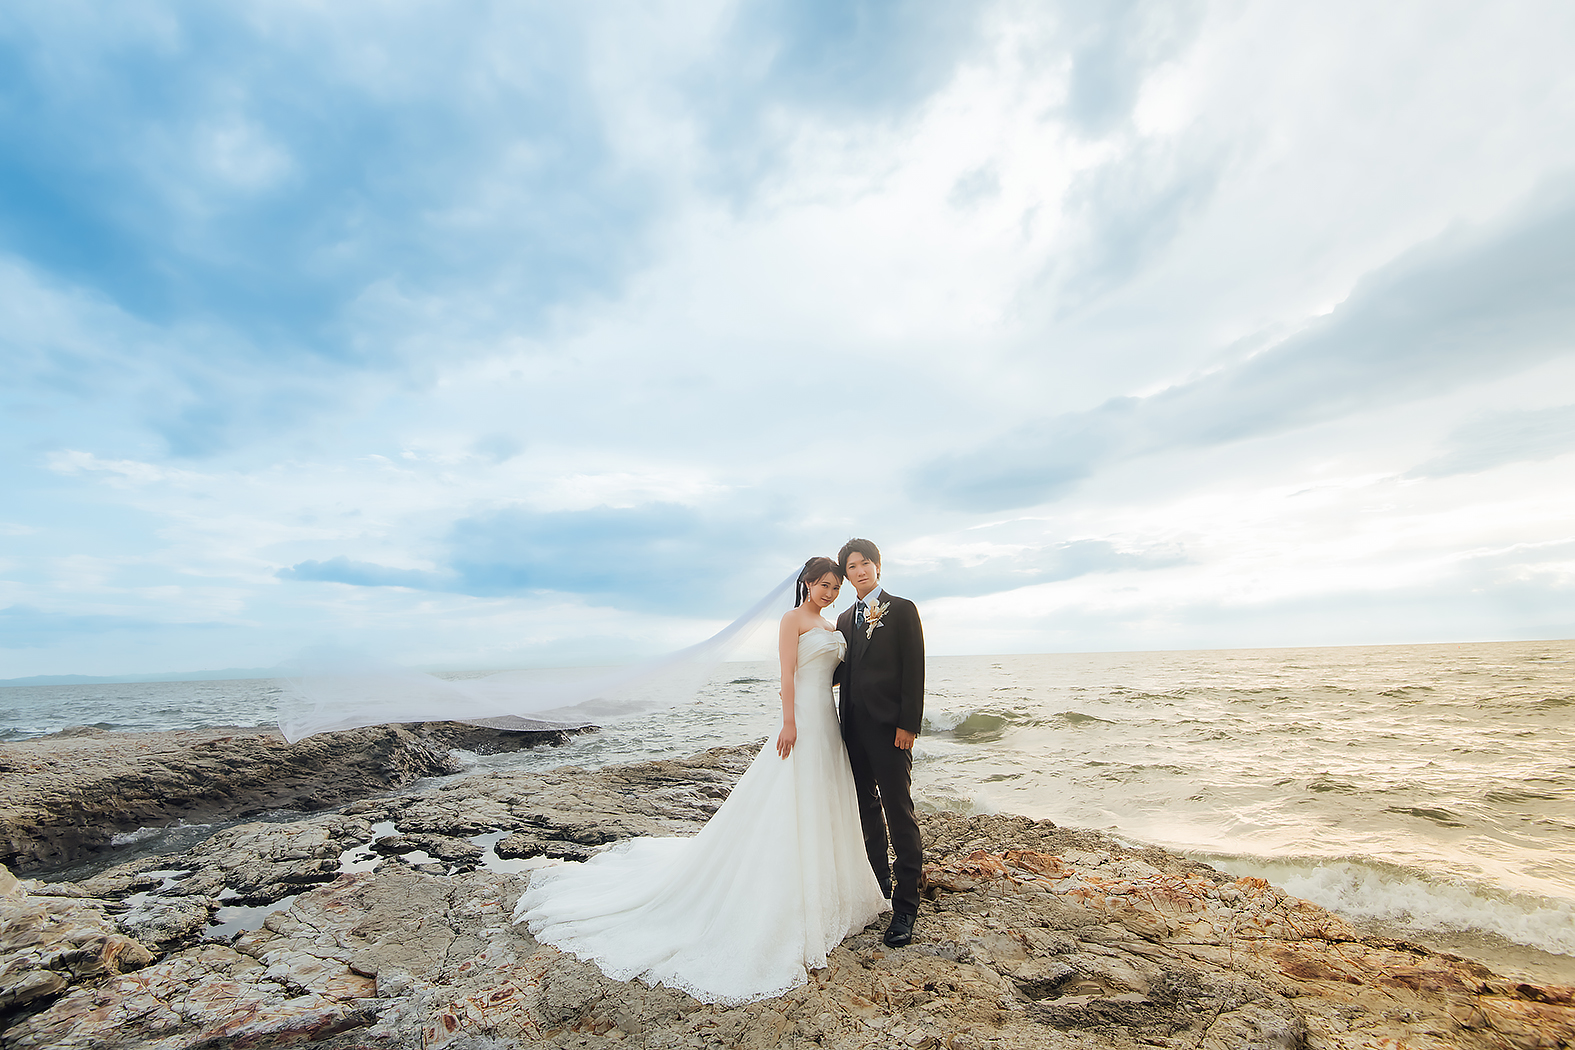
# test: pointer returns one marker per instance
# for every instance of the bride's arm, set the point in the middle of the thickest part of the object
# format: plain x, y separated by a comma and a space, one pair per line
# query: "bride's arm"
787, 649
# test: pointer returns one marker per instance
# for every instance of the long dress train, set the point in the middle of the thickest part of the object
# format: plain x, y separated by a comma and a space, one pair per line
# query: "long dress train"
774, 881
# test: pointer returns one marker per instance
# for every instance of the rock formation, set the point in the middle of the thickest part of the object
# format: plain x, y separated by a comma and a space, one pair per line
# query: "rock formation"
1031, 936
67, 795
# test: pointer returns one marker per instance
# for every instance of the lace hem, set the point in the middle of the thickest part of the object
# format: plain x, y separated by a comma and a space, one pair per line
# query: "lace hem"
650, 976
704, 995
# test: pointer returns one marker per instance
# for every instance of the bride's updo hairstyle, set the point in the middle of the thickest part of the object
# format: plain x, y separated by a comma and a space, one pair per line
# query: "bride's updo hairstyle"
813, 570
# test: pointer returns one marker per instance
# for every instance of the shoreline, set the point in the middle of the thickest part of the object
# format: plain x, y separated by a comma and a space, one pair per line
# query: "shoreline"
1029, 931
188, 784
69, 794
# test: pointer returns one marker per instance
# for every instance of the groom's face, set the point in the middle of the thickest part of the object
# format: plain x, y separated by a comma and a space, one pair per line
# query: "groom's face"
862, 573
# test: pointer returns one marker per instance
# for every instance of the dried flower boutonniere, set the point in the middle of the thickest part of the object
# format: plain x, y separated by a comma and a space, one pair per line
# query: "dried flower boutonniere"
873, 616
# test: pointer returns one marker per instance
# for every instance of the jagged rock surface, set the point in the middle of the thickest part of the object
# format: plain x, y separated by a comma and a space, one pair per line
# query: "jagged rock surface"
47, 943
64, 797
1031, 936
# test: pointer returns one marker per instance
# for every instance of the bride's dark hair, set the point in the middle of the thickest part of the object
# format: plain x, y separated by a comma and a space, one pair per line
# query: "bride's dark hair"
813, 570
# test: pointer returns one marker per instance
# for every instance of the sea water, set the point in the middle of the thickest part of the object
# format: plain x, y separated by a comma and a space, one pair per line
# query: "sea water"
1425, 790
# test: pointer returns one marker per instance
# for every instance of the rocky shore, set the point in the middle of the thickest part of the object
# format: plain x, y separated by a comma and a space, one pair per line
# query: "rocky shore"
387, 926
67, 795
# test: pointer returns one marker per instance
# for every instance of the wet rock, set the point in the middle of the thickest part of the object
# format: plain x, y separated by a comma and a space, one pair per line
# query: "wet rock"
263, 863
68, 794
459, 854
522, 844
111, 884
165, 924
394, 845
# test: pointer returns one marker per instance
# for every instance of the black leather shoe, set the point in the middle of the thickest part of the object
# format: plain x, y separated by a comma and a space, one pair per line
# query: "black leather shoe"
900, 932
885, 890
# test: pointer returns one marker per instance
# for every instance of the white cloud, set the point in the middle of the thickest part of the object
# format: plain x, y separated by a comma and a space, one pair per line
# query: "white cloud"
72, 461
243, 155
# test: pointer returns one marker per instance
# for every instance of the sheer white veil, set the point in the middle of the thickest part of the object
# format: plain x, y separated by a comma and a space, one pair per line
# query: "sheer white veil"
329, 689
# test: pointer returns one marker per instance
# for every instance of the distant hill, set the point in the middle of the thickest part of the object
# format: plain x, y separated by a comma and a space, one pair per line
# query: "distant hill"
228, 674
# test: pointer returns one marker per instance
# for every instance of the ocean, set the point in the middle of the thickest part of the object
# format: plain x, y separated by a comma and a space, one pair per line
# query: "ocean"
1423, 791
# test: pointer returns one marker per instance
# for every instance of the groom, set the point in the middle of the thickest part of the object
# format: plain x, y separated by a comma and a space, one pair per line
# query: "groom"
882, 705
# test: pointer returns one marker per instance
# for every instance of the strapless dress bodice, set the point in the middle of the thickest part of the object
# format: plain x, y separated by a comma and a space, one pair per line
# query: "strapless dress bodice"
819, 653
817, 645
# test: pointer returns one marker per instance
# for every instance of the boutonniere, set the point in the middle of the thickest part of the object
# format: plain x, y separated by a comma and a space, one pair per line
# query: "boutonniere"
873, 616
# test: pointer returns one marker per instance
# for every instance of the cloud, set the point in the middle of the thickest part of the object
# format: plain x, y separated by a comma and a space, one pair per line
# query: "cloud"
992, 573
1129, 210
184, 168
1116, 47
194, 169
27, 627
1404, 596
781, 63
361, 574
979, 185
1468, 304
499, 448
123, 471
1504, 437
859, 55
656, 551
662, 556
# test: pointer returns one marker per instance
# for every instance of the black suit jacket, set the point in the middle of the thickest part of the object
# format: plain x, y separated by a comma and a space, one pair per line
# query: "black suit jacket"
884, 673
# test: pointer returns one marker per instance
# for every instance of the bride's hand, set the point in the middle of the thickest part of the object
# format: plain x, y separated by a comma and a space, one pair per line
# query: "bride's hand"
786, 739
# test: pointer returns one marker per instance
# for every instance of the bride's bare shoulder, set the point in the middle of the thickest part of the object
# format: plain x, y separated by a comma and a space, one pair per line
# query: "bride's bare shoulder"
802, 622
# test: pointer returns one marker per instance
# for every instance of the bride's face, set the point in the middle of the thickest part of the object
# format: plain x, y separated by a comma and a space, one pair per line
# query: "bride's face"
824, 590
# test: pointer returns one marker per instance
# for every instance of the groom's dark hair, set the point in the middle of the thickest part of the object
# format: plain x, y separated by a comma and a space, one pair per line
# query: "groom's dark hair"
864, 547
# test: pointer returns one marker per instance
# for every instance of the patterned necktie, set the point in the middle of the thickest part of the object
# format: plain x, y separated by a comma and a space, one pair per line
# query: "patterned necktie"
858, 617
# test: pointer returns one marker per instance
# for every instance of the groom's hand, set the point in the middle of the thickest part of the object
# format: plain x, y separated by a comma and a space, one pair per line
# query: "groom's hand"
905, 739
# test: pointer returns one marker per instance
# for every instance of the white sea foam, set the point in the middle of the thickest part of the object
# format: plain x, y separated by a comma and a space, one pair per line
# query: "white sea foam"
1411, 901
176, 833
977, 723
945, 721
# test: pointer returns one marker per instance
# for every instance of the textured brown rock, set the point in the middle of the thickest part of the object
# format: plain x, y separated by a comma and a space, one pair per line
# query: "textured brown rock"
261, 863
1031, 936
48, 944
64, 797
167, 923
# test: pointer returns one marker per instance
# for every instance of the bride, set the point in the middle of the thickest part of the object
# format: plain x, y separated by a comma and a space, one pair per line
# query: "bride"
774, 881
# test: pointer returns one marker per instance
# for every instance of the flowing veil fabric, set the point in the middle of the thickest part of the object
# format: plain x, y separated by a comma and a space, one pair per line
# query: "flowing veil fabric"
330, 690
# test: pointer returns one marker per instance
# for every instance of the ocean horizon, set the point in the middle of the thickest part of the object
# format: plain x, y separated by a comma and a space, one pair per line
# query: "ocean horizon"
229, 674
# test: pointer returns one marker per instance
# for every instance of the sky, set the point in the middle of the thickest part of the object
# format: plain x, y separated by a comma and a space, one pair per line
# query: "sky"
509, 334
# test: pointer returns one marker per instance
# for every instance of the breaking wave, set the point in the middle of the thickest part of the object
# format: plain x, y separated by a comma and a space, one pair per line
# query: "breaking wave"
1413, 901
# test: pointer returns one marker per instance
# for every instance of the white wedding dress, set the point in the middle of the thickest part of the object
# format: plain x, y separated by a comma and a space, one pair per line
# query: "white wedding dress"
773, 882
